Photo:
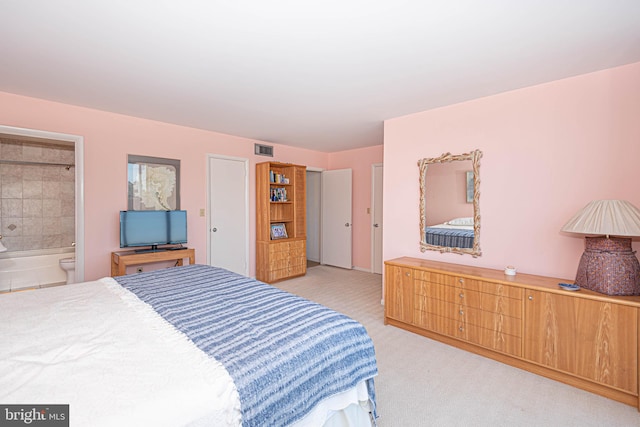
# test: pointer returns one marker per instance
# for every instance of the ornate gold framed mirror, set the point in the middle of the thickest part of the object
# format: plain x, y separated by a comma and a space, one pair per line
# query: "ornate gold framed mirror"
450, 203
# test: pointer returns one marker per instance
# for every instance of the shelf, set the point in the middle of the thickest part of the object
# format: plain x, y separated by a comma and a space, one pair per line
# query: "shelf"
280, 203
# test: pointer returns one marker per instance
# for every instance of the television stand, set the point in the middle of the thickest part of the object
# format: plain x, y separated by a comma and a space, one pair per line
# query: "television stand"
121, 260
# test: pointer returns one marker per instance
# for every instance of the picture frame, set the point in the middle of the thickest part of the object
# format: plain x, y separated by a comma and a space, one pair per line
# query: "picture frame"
278, 231
470, 189
153, 183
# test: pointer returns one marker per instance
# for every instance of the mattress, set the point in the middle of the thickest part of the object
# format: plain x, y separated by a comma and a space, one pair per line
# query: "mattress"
450, 236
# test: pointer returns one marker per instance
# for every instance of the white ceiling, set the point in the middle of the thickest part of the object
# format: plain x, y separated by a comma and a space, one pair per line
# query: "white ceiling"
314, 74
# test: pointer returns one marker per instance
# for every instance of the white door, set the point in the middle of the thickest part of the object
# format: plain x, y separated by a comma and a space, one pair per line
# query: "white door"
336, 218
228, 214
376, 219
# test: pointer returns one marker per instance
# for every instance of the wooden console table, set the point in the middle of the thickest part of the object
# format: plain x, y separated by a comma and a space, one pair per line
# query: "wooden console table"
120, 260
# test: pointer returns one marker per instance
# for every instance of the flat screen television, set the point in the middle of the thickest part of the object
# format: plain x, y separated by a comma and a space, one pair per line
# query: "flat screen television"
152, 228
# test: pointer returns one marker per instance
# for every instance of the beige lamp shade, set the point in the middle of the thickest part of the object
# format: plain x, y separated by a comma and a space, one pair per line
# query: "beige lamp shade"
606, 218
2, 247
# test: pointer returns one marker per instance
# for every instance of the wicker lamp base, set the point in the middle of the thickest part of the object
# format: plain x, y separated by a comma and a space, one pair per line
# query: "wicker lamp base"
609, 266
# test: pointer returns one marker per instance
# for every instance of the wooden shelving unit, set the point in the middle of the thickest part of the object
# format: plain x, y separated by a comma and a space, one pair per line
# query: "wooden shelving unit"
281, 200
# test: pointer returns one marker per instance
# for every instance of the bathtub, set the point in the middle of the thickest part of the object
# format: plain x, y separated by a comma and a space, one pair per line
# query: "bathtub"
32, 269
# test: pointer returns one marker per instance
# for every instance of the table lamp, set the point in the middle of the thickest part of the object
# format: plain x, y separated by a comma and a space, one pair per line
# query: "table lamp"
608, 264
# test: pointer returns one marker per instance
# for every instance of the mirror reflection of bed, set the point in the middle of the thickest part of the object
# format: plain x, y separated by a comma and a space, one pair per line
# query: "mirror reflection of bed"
449, 201
455, 233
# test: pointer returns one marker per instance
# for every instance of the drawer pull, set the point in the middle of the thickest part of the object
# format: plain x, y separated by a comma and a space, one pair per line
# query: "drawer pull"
530, 297
460, 328
407, 274
461, 295
461, 313
461, 280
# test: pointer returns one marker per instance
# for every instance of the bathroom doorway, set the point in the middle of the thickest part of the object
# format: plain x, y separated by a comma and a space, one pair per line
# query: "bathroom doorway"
62, 224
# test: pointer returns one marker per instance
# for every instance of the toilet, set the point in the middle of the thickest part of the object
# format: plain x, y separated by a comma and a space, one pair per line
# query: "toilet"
69, 266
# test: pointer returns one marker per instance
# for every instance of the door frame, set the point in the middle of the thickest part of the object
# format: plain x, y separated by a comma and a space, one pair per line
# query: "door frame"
319, 196
374, 166
78, 142
246, 202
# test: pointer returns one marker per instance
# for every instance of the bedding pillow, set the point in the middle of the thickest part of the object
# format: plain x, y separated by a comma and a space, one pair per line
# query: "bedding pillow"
461, 221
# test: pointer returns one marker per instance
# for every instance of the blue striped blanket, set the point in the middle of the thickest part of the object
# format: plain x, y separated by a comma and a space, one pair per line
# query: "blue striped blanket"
284, 353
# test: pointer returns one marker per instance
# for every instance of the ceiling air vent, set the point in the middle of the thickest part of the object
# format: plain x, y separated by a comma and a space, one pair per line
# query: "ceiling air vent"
264, 150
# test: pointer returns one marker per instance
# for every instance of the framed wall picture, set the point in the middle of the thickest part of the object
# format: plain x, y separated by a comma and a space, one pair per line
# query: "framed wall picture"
278, 231
470, 188
153, 183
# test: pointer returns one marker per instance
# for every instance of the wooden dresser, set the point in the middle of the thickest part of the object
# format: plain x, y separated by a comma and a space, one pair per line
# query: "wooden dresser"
585, 339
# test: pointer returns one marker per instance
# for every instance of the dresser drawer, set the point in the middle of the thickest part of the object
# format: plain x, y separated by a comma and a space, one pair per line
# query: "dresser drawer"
501, 290
491, 339
436, 278
491, 320
279, 247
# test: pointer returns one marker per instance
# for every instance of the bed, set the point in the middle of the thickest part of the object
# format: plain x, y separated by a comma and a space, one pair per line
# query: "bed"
193, 345
456, 233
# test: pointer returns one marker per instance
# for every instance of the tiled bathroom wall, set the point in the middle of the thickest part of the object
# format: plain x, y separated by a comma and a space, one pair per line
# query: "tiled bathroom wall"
37, 200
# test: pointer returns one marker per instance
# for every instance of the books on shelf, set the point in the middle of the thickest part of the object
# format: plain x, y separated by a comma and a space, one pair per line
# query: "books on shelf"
278, 178
279, 194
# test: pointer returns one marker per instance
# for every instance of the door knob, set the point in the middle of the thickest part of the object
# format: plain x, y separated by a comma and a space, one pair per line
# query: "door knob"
347, 224
376, 225
214, 229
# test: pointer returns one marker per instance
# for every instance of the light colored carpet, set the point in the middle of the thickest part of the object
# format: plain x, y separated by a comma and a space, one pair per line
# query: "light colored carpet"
422, 382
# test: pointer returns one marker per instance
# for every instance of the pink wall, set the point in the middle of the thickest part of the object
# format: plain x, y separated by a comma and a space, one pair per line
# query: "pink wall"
360, 161
548, 151
108, 138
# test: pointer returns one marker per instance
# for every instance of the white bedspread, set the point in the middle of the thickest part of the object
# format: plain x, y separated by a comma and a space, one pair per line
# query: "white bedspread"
84, 346
453, 227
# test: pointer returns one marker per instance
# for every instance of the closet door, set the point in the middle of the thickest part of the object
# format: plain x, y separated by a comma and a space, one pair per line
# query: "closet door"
228, 214
336, 218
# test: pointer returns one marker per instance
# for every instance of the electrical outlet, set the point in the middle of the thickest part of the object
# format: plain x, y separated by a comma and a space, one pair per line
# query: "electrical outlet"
201, 212
139, 270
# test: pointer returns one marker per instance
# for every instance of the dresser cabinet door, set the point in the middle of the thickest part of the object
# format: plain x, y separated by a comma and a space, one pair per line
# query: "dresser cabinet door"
592, 339
399, 293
